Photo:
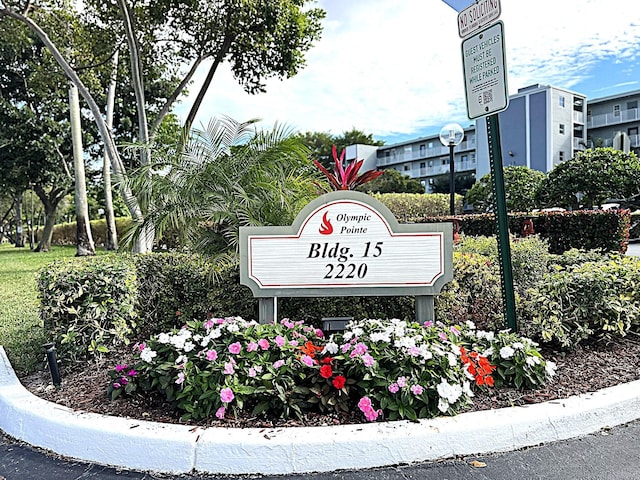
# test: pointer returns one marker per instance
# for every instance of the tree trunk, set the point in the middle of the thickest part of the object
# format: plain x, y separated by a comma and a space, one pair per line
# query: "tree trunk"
111, 235
19, 236
84, 239
50, 202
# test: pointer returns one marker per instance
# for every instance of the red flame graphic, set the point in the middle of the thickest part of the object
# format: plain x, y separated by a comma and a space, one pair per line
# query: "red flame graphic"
326, 228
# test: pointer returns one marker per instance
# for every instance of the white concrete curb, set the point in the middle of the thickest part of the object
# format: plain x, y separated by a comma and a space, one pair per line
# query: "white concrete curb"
166, 448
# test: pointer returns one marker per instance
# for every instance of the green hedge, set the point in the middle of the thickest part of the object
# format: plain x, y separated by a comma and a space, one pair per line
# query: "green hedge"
605, 230
65, 233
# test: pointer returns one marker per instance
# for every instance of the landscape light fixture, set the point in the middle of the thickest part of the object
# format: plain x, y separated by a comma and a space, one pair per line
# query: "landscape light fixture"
450, 136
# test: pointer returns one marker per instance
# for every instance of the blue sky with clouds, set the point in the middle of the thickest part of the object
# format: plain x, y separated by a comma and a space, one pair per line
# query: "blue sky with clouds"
394, 68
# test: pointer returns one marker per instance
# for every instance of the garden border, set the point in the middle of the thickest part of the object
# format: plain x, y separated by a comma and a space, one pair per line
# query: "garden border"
168, 448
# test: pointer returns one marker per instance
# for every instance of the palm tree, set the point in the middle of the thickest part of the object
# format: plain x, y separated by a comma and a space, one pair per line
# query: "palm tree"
227, 176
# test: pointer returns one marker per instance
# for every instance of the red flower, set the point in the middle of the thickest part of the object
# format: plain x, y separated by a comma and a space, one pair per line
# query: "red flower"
339, 382
326, 371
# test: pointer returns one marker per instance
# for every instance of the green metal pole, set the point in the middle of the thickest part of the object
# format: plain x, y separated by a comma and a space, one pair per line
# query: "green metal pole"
502, 221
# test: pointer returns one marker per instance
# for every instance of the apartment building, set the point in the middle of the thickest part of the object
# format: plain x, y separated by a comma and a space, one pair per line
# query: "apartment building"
424, 159
614, 121
543, 126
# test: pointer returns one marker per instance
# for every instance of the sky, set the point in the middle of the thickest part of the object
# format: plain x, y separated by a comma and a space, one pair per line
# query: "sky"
393, 69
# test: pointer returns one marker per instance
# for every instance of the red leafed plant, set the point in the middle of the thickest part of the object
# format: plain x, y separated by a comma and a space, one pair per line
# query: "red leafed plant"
346, 178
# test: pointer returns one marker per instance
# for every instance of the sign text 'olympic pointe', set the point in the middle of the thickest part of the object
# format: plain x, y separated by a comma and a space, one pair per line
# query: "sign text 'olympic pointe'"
343, 244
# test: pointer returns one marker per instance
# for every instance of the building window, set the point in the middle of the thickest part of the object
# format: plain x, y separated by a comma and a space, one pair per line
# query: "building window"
632, 104
445, 161
578, 104
561, 156
632, 131
430, 163
430, 144
464, 158
406, 168
616, 110
561, 101
423, 165
561, 129
423, 150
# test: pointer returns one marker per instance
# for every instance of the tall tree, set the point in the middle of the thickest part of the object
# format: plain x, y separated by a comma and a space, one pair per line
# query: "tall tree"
259, 38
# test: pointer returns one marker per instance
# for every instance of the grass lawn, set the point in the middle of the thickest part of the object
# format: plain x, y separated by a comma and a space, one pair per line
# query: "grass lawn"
21, 331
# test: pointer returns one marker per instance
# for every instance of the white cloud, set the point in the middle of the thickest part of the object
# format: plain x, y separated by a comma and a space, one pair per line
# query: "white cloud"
393, 67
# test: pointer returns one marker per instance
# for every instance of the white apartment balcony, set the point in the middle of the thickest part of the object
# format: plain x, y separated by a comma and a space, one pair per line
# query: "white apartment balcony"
608, 142
428, 153
613, 118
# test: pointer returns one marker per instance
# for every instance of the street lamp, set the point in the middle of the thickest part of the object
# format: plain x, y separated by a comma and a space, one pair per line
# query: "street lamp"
450, 136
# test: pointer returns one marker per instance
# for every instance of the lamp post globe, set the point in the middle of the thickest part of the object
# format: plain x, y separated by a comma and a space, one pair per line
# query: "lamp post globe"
450, 136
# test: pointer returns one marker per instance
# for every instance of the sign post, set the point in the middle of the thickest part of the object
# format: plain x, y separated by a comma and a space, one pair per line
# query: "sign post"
485, 81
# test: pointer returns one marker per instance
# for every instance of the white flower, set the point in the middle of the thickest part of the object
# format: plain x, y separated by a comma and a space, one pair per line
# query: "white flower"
453, 360
443, 406
451, 393
377, 337
466, 388
163, 338
188, 346
532, 361
486, 335
331, 348
197, 337
233, 327
506, 352
425, 352
182, 359
215, 333
147, 355
518, 345
488, 352
470, 325
550, 368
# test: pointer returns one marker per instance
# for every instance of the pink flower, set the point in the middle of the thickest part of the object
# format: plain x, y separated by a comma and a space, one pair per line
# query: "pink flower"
226, 395
252, 347
365, 402
360, 348
212, 355
319, 333
345, 348
280, 341
228, 368
235, 348
132, 373
220, 412
428, 323
208, 324
263, 343
442, 336
142, 346
287, 323
252, 372
402, 382
393, 388
368, 360
417, 389
180, 378
120, 368
455, 331
278, 363
414, 351
116, 385
307, 360
293, 343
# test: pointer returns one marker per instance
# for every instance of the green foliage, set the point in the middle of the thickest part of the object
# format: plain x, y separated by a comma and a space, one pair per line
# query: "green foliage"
21, 332
413, 207
591, 178
594, 300
393, 181
520, 184
226, 177
65, 233
88, 306
474, 293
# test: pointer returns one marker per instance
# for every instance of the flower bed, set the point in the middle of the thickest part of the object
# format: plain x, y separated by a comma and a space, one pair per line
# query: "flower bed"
386, 369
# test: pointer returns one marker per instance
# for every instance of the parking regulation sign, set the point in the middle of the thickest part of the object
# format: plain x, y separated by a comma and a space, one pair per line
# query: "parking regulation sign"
485, 73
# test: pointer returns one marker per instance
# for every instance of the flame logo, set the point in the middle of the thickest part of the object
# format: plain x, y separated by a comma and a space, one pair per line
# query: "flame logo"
326, 228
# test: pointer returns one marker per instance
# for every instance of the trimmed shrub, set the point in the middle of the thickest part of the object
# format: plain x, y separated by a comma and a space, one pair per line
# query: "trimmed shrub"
65, 233
88, 305
411, 207
589, 301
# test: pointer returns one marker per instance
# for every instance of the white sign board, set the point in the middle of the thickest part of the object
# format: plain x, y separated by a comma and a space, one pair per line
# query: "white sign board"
485, 73
477, 15
343, 242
